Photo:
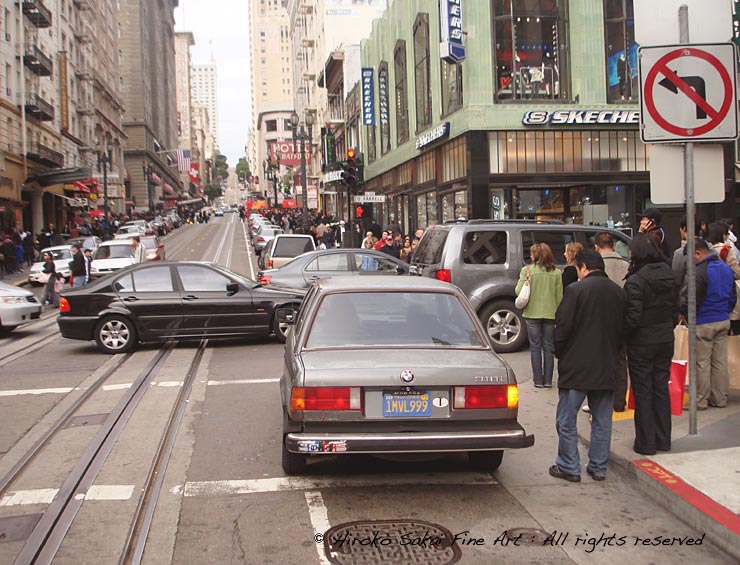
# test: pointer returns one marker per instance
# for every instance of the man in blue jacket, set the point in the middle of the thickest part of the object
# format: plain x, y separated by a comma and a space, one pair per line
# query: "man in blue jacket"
715, 299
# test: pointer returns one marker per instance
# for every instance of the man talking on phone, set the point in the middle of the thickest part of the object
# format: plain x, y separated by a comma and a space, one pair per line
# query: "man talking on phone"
650, 224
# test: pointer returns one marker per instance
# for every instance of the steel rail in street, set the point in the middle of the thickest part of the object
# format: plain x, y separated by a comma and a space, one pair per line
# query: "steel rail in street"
136, 540
48, 535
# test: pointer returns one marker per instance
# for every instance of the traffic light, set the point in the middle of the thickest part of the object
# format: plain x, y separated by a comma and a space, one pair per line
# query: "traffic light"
349, 170
359, 211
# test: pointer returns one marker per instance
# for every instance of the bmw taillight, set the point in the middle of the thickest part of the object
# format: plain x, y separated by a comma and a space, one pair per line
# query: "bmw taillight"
64, 306
485, 396
325, 398
444, 275
265, 279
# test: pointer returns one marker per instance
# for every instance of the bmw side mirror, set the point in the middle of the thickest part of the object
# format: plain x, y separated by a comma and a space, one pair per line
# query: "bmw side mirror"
285, 316
232, 288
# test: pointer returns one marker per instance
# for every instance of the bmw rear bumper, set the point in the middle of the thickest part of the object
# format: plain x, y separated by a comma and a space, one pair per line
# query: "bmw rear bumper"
78, 327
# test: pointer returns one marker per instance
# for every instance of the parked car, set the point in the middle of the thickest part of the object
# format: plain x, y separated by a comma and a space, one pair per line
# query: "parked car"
168, 300
484, 257
264, 235
393, 365
17, 306
86, 242
111, 256
285, 247
128, 231
143, 226
300, 272
218, 212
154, 248
62, 256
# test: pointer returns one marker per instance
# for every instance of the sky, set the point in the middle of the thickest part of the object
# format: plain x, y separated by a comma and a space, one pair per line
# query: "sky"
221, 27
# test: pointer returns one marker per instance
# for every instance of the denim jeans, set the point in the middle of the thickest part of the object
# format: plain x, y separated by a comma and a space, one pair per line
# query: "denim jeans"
601, 403
541, 345
79, 281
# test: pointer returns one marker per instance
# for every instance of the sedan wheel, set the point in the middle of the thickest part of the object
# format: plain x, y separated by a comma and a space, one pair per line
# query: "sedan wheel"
281, 330
504, 325
293, 463
115, 334
486, 460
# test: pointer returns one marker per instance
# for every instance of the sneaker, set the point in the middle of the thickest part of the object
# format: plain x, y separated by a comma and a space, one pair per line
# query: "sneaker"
586, 409
558, 473
539, 386
596, 476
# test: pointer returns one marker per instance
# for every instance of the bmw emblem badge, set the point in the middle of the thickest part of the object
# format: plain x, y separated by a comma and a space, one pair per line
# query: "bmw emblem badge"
407, 376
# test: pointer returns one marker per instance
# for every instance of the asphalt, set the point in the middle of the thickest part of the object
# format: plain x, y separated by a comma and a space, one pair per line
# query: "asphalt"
16, 279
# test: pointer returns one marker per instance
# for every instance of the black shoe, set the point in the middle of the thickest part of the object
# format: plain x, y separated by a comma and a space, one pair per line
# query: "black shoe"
558, 473
644, 451
548, 385
539, 386
596, 476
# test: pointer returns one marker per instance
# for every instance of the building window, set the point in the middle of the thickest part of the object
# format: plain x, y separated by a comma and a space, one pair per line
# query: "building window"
454, 160
452, 95
402, 96
426, 209
530, 39
425, 168
270, 125
621, 51
385, 124
422, 72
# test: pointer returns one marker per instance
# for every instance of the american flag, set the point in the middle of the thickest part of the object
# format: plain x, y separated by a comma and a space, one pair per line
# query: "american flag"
183, 160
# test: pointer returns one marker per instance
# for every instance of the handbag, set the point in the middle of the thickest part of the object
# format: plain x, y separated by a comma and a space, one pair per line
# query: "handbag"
681, 342
676, 387
44, 278
522, 299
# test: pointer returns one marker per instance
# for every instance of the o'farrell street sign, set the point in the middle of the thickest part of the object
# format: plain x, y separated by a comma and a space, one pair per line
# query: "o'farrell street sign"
433, 135
581, 117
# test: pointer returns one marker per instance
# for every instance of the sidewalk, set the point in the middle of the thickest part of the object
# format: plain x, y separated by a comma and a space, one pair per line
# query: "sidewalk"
699, 479
16, 279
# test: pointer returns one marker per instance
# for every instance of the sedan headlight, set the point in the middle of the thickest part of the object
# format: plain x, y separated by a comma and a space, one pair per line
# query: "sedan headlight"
13, 300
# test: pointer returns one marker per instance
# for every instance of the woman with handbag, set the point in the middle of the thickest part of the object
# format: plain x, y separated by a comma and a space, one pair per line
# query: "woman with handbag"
48, 277
542, 281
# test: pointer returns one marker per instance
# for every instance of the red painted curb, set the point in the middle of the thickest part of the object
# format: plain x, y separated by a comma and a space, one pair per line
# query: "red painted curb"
697, 499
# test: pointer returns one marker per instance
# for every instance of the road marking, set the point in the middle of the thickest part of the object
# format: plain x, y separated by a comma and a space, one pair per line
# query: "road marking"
319, 520
249, 252
123, 386
46, 495
36, 391
243, 382
278, 484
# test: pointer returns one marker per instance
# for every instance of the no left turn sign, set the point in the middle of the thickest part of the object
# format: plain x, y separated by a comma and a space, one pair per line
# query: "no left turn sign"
688, 93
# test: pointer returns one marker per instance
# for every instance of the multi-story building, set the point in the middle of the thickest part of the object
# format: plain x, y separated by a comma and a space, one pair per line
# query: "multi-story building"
183, 42
203, 149
148, 47
540, 120
204, 89
272, 78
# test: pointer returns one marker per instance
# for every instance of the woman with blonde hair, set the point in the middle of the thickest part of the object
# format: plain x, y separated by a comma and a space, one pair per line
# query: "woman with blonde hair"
545, 294
570, 275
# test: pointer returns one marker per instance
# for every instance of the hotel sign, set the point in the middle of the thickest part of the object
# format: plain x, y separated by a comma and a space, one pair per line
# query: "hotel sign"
581, 117
431, 136
368, 96
63, 91
451, 48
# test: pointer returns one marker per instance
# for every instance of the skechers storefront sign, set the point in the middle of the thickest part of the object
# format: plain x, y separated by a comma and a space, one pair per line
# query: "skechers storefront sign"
581, 117
431, 136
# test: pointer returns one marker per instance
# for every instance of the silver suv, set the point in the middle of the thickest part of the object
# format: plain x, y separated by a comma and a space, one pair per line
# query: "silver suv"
484, 257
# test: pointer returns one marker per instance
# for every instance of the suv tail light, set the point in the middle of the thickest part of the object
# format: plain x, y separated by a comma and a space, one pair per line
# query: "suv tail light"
265, 279
326, 398
485, 396
261, 239
64, 306
444, 275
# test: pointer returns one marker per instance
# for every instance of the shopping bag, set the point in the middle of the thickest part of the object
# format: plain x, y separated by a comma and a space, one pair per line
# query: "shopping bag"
676, 386
681, 342
733, 360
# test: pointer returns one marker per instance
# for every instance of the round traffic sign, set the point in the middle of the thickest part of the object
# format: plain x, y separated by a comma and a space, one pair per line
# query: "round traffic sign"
715, 115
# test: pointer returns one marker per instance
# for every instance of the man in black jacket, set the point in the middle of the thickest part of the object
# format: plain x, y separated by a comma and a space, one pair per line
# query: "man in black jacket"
77, 268
588, 336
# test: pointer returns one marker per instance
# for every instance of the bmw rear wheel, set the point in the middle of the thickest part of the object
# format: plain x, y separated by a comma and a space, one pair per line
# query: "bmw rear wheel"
505, 326
486, 460
293, 463
115, 334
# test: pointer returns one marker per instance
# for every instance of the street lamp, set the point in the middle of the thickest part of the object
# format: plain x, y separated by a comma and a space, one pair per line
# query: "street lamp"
300, 134
269, 166
148, 171
105, 158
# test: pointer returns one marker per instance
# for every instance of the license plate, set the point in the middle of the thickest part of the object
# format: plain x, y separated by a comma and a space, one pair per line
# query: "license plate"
407, 405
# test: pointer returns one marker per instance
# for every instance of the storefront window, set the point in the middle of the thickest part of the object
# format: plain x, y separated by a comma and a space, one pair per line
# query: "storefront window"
621, 51
530, 39
454, 160
422, 72
452, 93
426, 210
455, 205
425, 167
385, 124
402, 102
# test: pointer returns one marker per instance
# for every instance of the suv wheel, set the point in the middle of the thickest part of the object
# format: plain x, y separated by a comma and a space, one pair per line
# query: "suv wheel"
505, 326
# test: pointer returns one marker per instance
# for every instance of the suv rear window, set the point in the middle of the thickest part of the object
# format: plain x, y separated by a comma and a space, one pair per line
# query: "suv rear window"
557, 240
292, 246
429, 251
485, 248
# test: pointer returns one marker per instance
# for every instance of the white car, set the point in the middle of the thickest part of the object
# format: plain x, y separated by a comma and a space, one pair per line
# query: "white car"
62, 256
128, 231
17, 306
112, 256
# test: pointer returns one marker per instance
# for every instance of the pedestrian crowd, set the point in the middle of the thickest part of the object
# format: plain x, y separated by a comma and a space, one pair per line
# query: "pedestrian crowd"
606, 318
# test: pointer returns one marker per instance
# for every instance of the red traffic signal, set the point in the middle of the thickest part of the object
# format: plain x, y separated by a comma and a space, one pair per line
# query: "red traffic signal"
359, 211
351, 154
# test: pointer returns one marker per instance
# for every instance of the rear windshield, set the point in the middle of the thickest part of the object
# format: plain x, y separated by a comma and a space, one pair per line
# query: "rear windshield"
429, 250
397, 319
292, 246
61, 254
149, 243
113, 252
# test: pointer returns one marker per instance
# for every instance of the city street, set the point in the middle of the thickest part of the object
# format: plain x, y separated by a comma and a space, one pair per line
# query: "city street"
224, 498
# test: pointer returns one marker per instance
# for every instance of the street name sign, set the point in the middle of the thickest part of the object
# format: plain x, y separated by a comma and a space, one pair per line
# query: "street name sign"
688, 93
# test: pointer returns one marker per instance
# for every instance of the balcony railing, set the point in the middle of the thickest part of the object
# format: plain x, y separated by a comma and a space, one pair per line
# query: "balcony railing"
83, 71
36, 60
86, 108
37, 13
82, 33
45, 155
83, 4
39, 108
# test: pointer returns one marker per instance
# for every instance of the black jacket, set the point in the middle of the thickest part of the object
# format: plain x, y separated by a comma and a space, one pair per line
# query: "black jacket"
651, 310
588, 333
77, 265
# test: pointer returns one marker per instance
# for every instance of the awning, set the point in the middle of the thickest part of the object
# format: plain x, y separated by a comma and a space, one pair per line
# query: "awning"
60, 176
79, 187
191, 201
169, 190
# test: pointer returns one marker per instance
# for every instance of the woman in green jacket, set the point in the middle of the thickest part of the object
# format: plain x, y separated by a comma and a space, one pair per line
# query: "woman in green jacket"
545, 294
